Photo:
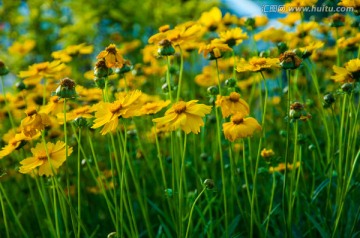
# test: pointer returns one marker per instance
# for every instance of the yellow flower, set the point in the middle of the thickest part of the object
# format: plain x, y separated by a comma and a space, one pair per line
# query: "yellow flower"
213, 49
21, 49
240, 127
66, 54
231, 37
271, 34
153, 107
36, 72
265, 153
350, 3
257, 64
84, 112
232, 104
350, 73
34, 122
208, 77
349, 42
290, 19
211, 19
184, 115
309, 49
112, 57
54, 106
281, 167
57, 156
107, 114
179, 35
15, 143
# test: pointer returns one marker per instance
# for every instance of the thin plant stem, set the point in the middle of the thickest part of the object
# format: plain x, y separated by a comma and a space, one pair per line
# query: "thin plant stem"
180, 74
79, 184
182, 170
168, 78
218, 76
191, 212
6, 104
4, 216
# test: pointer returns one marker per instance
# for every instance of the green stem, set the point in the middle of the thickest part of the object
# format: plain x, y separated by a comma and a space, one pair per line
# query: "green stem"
6, 105
79, 184
168, 78
180, 74
182, 170
4, 216
218, 76
192, 210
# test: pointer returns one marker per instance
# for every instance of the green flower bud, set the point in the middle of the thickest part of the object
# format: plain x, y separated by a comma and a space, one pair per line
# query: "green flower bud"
312, 147
329, 98
3, 69
166, 48
289, 60
101, 70
80, 122
100, 82
347, 87
66, 89
213, 90
337, 20
230, 83
169, 192
209, 183
282, 47
20, 86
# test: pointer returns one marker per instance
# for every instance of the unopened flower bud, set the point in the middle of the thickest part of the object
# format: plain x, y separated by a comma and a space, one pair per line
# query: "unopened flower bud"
209, 183
347, 87
230, 82
100, 82
329, 98
101, 70
165, 48
213, 90
169, 192
20, 86
296, 110
289, 60
127, 67
3, 69
66, 89
80, 122
337, 20
282, 47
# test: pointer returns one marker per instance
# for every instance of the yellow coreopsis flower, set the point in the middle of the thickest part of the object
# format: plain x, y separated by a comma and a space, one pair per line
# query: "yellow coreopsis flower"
232, 104
231, 37
107, 114
281, 167
48, 159
112, 57
266, 153
85, 112
211, 19
153, 107
213, 50
350, 73
21, 48
240, 127
66, 54
257, 64
290, 19
15, 143
271, 34
34, 122
36, 72
185, 115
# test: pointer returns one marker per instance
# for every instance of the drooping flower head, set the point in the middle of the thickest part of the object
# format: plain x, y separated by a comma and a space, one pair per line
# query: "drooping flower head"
213, 50
48, 159
112, 57
185, 115
240, 127
232, 104
34, 122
